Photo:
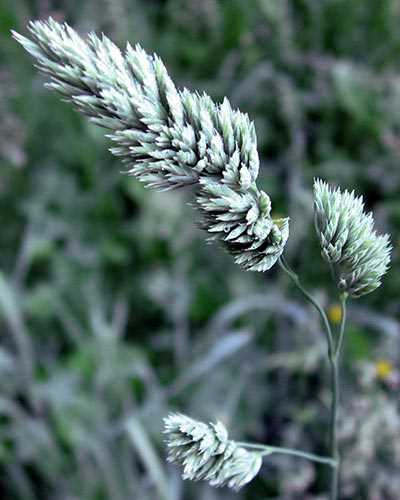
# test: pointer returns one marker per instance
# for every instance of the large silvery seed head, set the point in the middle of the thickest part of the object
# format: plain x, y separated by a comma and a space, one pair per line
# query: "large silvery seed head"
168, 138
205, 453
359, 256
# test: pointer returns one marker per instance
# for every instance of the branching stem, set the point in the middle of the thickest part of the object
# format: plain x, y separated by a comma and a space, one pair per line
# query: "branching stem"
334, 352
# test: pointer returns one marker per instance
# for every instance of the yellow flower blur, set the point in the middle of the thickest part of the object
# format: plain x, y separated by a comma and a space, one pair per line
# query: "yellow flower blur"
383, 368
335, 314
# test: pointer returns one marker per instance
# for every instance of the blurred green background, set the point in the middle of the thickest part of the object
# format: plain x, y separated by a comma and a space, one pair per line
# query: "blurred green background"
114, 310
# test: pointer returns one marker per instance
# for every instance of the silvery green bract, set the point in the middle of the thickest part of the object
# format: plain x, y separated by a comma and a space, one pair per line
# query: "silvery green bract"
349, 242
206, 453
168, 138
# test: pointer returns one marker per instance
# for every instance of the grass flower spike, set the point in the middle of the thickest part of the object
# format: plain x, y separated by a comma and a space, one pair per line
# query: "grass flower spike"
168, 138
349, 242
206, 453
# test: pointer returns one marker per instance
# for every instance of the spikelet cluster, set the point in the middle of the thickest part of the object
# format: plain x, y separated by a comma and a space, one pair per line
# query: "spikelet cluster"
206, 453
167, 138
359, 256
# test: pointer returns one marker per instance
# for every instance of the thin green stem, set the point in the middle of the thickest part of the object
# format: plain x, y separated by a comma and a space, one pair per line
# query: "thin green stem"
296, 280
334, 450
343, 301
268, 450
335, 360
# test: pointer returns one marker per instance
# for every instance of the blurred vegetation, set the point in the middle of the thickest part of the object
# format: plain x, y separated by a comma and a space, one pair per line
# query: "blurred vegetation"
114, 310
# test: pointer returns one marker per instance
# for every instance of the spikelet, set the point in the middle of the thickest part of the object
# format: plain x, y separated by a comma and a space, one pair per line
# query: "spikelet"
359, 256
206, 453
